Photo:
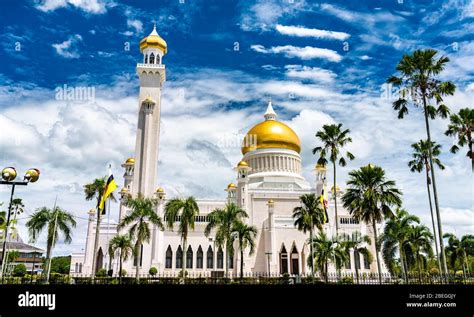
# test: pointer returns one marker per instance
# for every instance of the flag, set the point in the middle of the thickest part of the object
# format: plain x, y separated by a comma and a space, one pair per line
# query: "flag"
110, 186
324, 203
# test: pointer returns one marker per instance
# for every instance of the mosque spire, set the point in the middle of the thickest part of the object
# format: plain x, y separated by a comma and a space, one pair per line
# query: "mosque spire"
270, 114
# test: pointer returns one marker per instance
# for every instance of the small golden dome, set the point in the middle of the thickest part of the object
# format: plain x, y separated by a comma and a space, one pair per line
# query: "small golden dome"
124, 190
160, 190
130, 160
320, 167
242, 164
154, 41
270, 201
337, 189
231, 186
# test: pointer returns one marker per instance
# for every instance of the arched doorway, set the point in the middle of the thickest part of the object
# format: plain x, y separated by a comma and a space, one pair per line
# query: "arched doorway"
294, 261
100, 260
283, 260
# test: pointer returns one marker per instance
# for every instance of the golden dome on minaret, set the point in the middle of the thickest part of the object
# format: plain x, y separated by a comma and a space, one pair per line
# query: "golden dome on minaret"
154, 41
271, 134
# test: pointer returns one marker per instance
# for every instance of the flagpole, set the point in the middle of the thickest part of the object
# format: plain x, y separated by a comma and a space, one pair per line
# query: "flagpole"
108, 225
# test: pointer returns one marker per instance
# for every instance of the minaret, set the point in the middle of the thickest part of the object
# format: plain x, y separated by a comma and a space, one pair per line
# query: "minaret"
242, 196
152, 74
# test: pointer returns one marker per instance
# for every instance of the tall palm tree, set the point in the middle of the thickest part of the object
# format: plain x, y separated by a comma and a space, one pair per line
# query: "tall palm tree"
187, 210
123, 244
458, 251
370, 197
55, 221
334, 139
419, 163
308, 216
421, 87
461, 125
358, 243
245, 236
95, 190
420, 242
395, 237
142, 213
223, 219
17, 208
328, 250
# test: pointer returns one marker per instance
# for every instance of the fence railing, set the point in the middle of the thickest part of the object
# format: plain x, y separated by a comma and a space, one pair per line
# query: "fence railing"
249, 278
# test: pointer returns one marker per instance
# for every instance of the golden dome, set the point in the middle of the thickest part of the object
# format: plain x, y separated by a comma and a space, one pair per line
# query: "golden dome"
270, 201
320, 167
271, 134
154, 41
124, 190
231, 186
242, 164
337, 189
130, 160
160, 190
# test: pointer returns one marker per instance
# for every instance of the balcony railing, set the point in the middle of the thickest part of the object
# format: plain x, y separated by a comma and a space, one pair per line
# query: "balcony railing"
159, 66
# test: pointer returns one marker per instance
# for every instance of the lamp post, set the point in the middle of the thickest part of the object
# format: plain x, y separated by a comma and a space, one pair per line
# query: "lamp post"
8, 176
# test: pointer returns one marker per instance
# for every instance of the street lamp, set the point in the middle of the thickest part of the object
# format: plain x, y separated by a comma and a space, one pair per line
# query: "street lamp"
8, 178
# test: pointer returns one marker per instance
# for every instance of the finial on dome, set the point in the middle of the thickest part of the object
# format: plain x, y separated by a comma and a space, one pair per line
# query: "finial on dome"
270, 114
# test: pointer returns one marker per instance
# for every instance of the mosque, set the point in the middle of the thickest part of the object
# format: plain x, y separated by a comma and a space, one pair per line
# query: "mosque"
268, 185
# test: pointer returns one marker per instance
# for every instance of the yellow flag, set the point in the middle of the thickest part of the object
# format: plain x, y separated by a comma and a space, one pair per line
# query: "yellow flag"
110, 186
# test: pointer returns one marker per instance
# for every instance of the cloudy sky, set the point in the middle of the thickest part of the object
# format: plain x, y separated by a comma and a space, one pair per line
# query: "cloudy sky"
320, 62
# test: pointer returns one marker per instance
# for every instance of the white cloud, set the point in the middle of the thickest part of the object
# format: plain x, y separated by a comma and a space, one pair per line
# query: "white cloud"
301, 31
135, 24
88, 6
304, 53
68, 49
315, 74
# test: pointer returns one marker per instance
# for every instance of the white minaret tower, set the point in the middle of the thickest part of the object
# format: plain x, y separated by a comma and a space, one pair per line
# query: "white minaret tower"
152, 74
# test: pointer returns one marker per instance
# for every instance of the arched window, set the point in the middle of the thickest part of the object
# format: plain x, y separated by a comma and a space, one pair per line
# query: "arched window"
220, 258
366, 262
152, 58
189, 258
230, 261
146, 58
179, 258
210, 258
357, 259
80, 267
77, 268
283, 260
141, 257
169, 258
199, 258
294, 261
348, 262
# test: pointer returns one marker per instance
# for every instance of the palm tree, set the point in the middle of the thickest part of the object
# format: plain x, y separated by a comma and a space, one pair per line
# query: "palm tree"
358, 243
421, 161
187, 210
223, 219
328, 250
54, 220
461, 125
370, 197
17, 209
142, 213
123, 244
307, 216
420, 242
334, 139
395, 236
91, 191
245, 236
458, 251
418, 80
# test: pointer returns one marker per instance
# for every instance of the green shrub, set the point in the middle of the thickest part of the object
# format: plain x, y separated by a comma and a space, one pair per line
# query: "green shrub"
153, 271
124, 272
19, 270
346, 280
101, 273
434, 271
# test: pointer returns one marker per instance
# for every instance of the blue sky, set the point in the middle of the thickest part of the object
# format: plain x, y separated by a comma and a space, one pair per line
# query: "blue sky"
320, 61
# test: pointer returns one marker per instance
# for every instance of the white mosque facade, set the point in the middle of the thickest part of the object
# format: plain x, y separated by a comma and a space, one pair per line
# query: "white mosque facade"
268, 187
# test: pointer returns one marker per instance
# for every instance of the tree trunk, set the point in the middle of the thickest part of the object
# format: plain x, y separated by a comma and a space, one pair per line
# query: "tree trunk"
96, 242
435, 193
419, 265
470, 152
241, 262
435, 236
183, 268
356, 269
377, 251
326, 271
226, 262
120, 268
139, 257
402, 261
335, 199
